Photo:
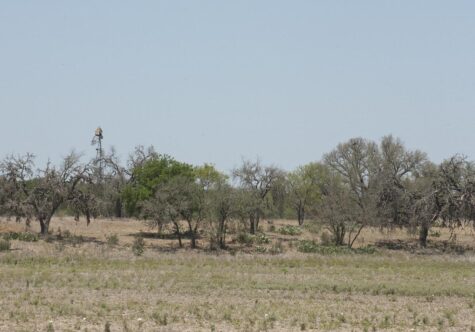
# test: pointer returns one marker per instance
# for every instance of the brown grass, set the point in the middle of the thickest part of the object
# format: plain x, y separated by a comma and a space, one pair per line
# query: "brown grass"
82, 285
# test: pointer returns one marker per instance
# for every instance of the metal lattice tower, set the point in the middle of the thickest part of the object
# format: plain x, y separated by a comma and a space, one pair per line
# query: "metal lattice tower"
97, 140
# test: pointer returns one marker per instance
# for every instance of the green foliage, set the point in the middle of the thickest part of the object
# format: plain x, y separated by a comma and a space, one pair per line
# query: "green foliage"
305, 187
112, 240
312, 227
21, 236
147, 176
261, 249
313, 247
261, 238
74, 239
249, 239
138, 247
290, 230
4, 245
50, 327
245, 238
161, 319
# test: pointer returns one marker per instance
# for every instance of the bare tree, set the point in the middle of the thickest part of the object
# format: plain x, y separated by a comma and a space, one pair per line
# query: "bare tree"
357, 163
338, 211
163, 209
40, 194
445, 194
257, 181
398, 170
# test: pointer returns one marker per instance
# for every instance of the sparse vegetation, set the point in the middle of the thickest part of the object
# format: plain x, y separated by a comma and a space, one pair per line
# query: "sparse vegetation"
5, 245
138, 247
218, 257
112, 240
330, 288
290, 230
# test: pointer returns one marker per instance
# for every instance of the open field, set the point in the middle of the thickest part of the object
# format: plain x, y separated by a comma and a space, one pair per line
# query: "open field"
64, 285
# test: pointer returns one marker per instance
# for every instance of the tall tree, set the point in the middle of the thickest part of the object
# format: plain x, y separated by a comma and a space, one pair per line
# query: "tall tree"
357, 163
257, 181
398, 170
305, 186
147, 171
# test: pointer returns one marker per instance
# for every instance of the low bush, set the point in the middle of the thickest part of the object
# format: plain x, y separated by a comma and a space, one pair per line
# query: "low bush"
112, 240
261, 249
21, 236
138, 247
326, 238
277, 248
313, 247
261, 238
312, 227
290, 230
245, 238
4, 245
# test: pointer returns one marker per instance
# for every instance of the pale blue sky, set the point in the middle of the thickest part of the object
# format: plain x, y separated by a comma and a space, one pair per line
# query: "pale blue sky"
215, 81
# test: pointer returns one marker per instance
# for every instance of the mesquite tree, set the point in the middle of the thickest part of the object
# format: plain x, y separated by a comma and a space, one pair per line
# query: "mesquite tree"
357, 163
257, 182
305, 186
39, 194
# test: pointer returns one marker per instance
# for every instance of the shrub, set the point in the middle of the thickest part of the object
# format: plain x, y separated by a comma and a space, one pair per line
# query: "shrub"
245, 238
313, 247
261, 249
112, 240
75, 239
138, 247
4, 245
312, 227
326, 238
27, 237
261, 238
161, 319
290, 230
277, 248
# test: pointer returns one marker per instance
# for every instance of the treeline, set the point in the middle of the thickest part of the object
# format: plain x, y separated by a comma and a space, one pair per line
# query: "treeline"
359, 184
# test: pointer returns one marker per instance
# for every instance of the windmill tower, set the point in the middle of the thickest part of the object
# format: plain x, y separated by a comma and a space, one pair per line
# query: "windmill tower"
97, 141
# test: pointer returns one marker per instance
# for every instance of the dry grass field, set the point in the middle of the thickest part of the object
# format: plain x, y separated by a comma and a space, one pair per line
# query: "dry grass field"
84, 281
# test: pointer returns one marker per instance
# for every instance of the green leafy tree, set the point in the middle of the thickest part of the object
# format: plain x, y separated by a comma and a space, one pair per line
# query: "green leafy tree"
305, 187
147, 175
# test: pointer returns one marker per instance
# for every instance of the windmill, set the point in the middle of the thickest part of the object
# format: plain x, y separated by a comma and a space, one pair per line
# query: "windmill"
97, 141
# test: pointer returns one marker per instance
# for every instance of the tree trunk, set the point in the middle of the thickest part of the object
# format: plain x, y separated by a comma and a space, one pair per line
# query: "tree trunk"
221, 235
179, 240
339, 234
252, 224
300, 215
350, 243
256, 221
423, 233
44, 224
118, 208
178, 234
